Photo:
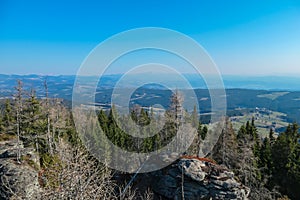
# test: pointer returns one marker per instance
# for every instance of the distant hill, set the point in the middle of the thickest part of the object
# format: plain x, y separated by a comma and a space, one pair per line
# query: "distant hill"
274, 93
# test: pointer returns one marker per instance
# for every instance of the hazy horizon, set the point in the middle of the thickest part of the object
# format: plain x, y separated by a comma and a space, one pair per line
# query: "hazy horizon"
274, 83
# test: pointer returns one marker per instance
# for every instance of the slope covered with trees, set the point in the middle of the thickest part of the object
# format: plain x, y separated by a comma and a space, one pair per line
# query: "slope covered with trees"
269, 166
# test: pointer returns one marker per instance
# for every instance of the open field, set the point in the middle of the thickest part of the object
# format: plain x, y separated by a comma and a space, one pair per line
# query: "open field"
264, 120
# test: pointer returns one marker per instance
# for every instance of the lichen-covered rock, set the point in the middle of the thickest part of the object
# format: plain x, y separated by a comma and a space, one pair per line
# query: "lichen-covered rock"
198, 179
17, 180
192, 169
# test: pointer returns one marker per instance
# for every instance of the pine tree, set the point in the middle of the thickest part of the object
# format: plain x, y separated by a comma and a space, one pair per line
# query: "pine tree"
32, 114
204, 132
174, 118
247, 162
242, 133
34, 122
271, 136
103, 120
226, 149
286, 159
265, 158
8, 120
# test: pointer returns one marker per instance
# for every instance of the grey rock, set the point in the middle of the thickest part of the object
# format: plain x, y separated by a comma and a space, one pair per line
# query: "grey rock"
162, 181
8, 149
17, 179
192, 168
201, 180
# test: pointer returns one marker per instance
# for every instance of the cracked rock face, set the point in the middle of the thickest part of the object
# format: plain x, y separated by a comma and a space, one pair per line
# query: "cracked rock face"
199, 179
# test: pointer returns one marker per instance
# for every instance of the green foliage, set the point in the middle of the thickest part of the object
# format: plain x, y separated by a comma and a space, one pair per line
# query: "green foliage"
286, 159
8, 119
70, 133
143, 118
1, 125
34, 122
29, 161
242, 133
226, 148
47, 160
271, 136
202, 131
266, 156
120, 135
195, 118
52, 165
6, 137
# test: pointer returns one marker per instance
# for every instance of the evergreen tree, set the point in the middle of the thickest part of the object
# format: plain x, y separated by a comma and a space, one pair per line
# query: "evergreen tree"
103, 120
204, 132
134, 113
176, 110
242, 133
265, 158
8, 120
226, 149
34, 124
248, 159
195, 118
143, 118
286, 159
271, 136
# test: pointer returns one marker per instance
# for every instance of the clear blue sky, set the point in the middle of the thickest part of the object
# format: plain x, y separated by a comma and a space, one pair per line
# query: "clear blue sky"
243, 37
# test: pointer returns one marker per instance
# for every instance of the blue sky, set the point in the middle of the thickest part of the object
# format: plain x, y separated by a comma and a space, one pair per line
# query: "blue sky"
243, 37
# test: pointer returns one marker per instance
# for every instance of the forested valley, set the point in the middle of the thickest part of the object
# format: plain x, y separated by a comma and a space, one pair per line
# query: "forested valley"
38, 136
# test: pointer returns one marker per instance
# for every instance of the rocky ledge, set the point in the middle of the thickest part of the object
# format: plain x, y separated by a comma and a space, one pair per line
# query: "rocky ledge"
17, 179
198, 178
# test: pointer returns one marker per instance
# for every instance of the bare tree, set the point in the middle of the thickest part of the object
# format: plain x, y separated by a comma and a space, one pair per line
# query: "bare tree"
18, 108
176, 109
77, 175
47, 108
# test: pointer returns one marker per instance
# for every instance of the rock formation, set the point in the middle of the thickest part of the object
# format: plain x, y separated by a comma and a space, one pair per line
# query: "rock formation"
187, 178
198, 178
17, 179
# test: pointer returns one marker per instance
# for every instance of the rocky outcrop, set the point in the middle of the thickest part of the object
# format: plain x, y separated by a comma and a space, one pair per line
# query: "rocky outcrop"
18, 180
196, 178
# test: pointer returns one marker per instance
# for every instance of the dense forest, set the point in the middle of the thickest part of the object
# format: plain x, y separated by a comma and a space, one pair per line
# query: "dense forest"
269, 166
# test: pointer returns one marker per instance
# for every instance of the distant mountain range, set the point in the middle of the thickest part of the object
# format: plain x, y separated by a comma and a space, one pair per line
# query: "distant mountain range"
275, 83
275, 93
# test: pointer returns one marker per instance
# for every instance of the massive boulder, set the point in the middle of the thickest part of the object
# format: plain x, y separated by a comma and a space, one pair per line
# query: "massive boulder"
198, 178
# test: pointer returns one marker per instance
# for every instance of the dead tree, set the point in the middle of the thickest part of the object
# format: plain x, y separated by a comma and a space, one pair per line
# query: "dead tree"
18, 109
47, 108
176, 108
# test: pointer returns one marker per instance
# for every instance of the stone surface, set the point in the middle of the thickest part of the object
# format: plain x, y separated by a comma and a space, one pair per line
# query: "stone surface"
17, 179
201, 180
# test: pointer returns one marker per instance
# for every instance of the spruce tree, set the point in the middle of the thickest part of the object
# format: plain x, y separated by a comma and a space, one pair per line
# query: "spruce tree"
271, 136
286, 159
225, 150
265, 158
8, 120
